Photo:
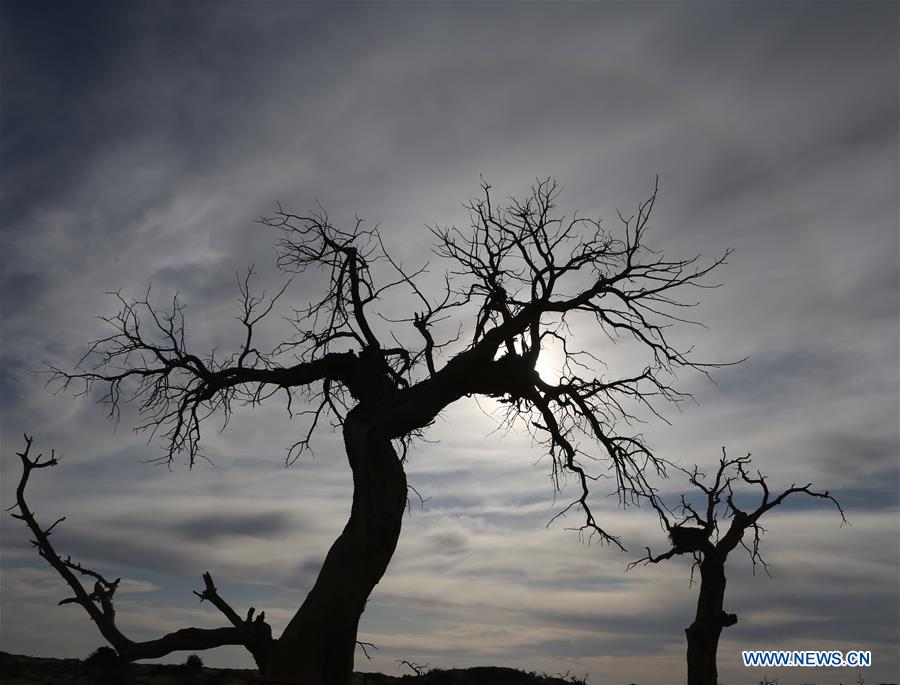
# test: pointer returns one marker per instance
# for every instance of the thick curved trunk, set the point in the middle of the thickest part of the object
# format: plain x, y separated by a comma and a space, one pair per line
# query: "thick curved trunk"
703, 634
318, 645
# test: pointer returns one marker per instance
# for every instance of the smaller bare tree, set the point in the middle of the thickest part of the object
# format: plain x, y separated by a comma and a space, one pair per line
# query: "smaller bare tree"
696, 530
253, 633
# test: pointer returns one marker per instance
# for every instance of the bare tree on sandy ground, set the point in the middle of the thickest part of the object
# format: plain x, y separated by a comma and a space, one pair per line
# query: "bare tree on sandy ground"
694, 529
521, 278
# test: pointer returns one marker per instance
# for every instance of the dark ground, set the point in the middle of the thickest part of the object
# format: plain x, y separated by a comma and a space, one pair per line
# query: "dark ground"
26, 670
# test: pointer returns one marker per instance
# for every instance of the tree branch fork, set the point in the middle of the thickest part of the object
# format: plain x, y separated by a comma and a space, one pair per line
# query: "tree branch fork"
251, 632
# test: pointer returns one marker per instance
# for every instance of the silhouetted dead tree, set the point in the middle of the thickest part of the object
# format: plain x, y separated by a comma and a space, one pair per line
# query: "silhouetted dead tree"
520, 275
253, 633
695, 530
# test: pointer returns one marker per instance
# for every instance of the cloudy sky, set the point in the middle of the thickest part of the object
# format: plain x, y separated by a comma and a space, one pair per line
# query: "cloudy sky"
140, 141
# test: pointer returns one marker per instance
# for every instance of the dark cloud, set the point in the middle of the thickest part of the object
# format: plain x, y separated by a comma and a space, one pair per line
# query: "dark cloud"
125, 549
447, 542
304, 575
216, 526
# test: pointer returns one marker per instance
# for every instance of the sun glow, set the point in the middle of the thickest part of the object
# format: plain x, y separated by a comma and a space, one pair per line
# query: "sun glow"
550, 364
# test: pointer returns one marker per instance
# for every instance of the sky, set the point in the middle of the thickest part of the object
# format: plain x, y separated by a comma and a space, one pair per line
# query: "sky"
140, 141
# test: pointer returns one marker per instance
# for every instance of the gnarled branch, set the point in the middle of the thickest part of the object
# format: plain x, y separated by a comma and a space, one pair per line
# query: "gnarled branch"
254, 634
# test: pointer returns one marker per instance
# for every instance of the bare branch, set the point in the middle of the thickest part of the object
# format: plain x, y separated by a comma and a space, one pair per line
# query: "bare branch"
176, 390
255, 635
365, 647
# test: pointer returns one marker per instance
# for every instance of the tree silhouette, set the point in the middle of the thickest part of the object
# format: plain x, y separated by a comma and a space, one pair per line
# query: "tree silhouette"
516, 280
695, 530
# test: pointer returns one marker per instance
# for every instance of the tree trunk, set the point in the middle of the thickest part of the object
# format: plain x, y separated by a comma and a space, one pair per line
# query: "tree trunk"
318, 645
703, 634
